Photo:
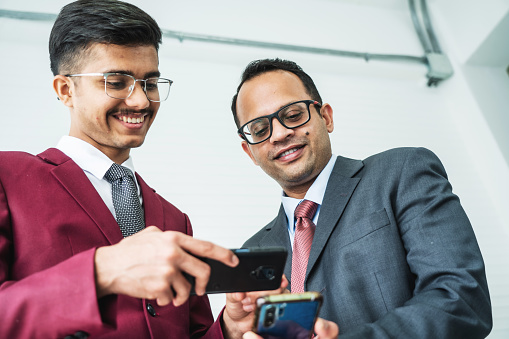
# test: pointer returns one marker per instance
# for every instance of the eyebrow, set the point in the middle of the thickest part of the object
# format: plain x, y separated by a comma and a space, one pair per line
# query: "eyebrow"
282, 106
146, 76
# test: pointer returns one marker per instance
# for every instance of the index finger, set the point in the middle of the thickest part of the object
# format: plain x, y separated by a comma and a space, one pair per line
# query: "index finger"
207, 249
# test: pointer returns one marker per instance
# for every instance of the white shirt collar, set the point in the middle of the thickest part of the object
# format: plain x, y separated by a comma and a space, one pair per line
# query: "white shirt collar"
89, 158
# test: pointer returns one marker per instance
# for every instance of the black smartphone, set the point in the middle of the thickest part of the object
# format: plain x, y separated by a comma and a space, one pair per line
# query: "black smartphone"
287, 315
259, 269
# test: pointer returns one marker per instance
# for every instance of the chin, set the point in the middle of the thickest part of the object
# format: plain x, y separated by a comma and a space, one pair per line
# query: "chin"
133, 143
136, 144
299, 176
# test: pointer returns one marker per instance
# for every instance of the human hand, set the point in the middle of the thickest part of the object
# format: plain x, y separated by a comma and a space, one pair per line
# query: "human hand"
324, 329
238, 315
149, 264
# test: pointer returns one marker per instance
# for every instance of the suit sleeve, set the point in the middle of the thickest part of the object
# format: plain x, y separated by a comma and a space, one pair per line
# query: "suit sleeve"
48, 304
52, 303
450, 298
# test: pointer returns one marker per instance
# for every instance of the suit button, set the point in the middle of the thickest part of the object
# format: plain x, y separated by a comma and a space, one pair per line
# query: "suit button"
81, 335
150, 310
78, 335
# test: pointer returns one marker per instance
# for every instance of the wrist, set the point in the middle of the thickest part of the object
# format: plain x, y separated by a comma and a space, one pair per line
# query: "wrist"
229, 327
103, 280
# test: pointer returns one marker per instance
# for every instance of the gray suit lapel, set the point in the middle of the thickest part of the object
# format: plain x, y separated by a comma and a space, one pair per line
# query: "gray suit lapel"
278, 234
340, 188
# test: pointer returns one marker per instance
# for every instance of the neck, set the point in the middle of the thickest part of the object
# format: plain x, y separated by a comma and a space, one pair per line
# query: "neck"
119, 157
297, 191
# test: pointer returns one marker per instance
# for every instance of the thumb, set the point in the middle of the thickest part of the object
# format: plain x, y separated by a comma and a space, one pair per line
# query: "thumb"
325, 329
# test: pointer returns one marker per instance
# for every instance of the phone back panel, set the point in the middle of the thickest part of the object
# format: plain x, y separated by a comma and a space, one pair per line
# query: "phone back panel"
292, 319
259, 269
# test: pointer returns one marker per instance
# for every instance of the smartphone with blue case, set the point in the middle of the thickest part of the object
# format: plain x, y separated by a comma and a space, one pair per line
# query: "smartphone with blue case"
286, 316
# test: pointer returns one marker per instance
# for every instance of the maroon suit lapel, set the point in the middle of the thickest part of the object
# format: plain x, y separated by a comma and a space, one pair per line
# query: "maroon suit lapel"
152, 206
74, 180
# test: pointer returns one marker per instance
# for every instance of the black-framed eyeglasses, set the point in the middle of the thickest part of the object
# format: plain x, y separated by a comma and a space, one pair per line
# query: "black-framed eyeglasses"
121, 86
290, 116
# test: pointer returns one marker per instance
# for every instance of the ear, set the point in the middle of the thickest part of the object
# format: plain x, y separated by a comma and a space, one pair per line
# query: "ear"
247, 149
326, 112
64, 88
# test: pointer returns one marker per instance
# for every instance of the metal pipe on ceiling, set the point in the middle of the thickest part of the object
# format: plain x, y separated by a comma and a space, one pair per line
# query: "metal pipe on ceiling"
418, 29
181, 36
439, 66
429, 29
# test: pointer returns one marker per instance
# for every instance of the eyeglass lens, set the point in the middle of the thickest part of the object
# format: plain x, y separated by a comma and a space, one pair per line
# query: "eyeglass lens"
291, 116
120, 86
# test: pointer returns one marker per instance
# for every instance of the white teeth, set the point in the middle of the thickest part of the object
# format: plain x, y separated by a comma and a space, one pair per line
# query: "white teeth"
130, 120
284, 154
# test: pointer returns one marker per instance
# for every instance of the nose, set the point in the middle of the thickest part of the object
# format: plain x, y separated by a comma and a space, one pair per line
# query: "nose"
279, 132
138, 98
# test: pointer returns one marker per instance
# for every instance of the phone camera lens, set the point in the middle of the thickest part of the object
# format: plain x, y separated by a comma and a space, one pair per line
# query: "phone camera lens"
264, 273
270, 314
269, 273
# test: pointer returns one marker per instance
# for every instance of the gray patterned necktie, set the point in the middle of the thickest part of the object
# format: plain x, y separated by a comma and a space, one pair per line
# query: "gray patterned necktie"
126, 202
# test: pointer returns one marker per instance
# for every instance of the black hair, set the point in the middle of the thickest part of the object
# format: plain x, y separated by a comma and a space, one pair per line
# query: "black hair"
258, 67
83, 22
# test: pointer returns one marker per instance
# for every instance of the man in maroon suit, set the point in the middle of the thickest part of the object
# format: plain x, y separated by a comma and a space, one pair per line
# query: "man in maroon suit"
66, 268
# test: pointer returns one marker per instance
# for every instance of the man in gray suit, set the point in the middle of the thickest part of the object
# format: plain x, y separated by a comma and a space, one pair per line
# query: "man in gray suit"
393, 252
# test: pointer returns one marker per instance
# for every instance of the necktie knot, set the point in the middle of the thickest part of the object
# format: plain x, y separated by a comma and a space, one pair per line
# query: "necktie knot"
306, 209
116, 172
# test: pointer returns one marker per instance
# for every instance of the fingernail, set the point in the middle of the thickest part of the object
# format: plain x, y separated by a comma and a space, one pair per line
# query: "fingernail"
235, 260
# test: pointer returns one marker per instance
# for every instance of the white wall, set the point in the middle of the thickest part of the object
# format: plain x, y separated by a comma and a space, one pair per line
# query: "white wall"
192, 155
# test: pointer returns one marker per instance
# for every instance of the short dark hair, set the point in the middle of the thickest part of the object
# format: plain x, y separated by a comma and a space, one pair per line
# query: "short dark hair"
83, 22
258, 67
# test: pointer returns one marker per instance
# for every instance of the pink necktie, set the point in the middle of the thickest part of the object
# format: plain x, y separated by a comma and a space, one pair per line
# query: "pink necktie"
304, 231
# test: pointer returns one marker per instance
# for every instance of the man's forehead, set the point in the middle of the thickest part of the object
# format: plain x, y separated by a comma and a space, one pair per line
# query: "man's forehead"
269, 91
120, 58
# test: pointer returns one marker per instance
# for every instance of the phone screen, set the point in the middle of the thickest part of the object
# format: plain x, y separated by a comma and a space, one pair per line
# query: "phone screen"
287, 319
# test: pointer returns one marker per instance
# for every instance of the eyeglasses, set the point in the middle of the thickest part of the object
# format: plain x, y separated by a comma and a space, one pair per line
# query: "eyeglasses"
121, 86
291, 116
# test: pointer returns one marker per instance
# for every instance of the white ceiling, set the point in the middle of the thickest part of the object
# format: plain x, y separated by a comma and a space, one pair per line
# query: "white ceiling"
391, 4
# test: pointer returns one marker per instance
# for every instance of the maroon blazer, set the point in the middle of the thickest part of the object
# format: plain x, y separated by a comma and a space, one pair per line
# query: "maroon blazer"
51, 221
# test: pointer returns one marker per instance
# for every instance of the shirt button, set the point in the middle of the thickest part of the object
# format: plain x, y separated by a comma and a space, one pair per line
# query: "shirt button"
151, 310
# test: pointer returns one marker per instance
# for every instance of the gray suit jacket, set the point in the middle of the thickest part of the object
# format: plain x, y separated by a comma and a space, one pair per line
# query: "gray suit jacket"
394, 254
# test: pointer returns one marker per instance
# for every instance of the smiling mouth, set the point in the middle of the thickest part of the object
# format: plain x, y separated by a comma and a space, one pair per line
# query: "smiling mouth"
290, 151
133, 118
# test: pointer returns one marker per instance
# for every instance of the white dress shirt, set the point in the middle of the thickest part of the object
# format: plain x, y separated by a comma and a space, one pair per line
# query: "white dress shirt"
315, 194
95, 164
